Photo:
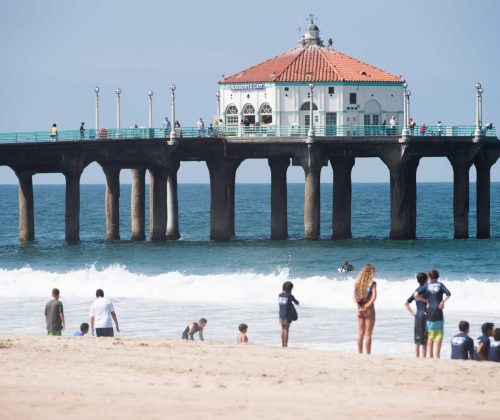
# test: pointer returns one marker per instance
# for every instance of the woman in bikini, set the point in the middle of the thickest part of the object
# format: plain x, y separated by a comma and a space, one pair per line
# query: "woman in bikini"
365, 293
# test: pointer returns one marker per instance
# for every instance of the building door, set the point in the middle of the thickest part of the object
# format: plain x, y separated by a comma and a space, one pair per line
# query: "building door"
331, 123
305, 115
372, 117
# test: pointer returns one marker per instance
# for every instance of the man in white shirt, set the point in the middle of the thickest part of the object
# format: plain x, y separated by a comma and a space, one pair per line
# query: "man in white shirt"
101, 313
200, 125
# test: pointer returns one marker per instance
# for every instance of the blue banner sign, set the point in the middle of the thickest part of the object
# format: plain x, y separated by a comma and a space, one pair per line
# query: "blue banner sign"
247, 86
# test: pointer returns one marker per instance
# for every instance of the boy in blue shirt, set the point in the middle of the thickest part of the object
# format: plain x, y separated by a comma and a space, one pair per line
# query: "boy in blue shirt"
433, 294
462, 346
287, 311
84, 329
494, 352
483, 342
420, 330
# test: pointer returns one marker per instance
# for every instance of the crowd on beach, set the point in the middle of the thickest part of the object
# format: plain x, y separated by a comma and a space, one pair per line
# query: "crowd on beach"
430, 298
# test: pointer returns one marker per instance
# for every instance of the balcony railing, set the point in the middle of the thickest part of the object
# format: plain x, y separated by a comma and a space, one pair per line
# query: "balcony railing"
243, 131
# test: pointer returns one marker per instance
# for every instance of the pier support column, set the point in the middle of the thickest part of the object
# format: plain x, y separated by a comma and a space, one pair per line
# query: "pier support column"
26, 207
112, 202
279, 213
403, 175
138, 205
342, 194
483, 165
72, 206
158, 204
312, 169
461, 166
172, 203
222, 188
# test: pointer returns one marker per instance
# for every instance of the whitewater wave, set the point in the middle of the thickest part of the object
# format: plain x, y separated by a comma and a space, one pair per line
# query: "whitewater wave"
233, 289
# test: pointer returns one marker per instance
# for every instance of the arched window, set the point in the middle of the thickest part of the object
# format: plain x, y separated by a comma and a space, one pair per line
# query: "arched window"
248, 109
306, 106
266, 114
231, 115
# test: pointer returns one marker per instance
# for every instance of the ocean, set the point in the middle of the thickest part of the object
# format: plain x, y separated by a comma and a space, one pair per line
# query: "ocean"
157, 288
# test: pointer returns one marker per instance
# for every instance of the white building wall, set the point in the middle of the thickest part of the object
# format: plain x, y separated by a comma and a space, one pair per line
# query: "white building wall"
288, 102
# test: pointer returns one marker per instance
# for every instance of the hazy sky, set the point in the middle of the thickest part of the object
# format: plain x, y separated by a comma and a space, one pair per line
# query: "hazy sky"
55, 51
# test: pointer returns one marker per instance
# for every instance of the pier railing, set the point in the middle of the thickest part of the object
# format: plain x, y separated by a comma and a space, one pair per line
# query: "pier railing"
105, 134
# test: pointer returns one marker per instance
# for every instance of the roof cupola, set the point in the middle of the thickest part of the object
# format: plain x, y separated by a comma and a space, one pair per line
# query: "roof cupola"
311, 35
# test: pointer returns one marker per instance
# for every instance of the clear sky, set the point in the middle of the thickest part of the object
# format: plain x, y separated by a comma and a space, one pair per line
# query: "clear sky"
55, 51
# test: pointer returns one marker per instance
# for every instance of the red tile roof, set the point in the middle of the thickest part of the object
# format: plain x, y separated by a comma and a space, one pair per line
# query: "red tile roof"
312, 63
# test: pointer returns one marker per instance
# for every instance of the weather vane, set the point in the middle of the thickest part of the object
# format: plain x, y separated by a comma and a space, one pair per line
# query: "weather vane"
311, 16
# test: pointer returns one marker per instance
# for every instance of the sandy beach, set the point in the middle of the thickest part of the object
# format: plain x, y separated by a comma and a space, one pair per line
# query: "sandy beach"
77, 378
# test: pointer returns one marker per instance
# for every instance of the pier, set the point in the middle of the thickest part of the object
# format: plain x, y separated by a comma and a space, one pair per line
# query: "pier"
150, 150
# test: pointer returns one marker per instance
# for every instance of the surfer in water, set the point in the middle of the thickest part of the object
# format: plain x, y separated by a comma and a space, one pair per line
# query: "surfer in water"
346, 267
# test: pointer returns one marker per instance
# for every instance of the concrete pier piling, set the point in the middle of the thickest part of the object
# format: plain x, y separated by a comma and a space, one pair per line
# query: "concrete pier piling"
311, 163
342, 197
279, 211
112, 202
158, 204
72, 206
222, 181
461, 166
483, 166
138, 205
172, 202
26, 207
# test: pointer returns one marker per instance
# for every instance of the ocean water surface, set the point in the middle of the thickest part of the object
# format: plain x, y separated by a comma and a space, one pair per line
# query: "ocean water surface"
157, 288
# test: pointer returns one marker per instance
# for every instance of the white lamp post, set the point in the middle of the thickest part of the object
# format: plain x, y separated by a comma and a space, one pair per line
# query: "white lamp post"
172, 131
218, 104
96, 90
310, 132
150, 109
405, 110
479, 110
118, 108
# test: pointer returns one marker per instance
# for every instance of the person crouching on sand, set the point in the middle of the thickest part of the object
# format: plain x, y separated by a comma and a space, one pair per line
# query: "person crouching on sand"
193, 328
287, 311
242, 336
365, 294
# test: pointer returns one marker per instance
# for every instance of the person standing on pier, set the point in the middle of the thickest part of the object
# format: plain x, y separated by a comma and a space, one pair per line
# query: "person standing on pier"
82, 131
101, 314
200, 125
54, 314
166, 126
53, 132
365, 294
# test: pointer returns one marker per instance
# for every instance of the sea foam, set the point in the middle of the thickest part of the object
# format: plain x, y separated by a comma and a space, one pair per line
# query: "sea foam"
234, 289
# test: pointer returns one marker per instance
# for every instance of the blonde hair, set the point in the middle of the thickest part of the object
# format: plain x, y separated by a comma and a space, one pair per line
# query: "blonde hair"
364, 281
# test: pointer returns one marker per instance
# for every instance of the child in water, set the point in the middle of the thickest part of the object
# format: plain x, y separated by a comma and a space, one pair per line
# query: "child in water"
242, 336
193, 328
287, 311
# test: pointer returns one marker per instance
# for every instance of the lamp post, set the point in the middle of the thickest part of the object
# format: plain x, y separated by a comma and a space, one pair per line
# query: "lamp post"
479, 110
172, 131
150, 109
218, 104
118, 108
96, 90
310, 132
405, 110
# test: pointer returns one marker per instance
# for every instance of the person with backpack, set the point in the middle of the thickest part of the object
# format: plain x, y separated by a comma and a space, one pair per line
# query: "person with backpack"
287, 311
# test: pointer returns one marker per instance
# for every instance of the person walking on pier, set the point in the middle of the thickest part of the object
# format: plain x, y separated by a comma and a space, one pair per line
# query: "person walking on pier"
412, 124
166, 126
82, 131
101, 314
365, 294
393, 123
54, 314
200, 125
53, 132
422, 129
